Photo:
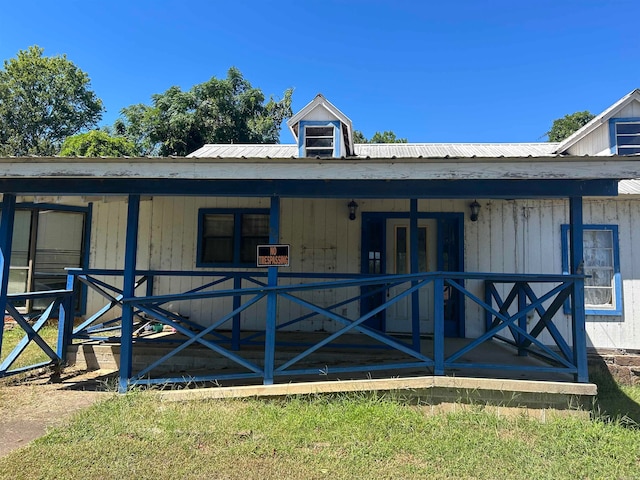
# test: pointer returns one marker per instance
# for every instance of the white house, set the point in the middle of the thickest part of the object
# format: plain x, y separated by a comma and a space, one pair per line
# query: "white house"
404, 244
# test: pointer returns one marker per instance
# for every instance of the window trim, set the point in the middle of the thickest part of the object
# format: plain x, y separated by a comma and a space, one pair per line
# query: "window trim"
617, 279
613, 137
337, 144
237, 235
86, 237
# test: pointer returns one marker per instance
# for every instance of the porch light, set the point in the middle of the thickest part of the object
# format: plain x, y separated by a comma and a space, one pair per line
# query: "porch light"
352, 209
475, 209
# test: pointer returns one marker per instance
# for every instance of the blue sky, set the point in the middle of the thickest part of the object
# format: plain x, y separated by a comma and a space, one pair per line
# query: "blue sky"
448, 71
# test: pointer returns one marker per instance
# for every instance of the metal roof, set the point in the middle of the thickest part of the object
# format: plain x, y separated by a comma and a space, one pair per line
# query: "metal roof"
388, 150
629, 187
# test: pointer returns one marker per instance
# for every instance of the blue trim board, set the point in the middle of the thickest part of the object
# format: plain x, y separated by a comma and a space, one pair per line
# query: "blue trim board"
397, 189
86, 255
613, 142
52, 206
617, 278
237, 234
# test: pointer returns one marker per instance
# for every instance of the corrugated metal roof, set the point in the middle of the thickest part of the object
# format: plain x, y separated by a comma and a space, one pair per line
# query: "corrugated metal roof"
389, 150
629, 187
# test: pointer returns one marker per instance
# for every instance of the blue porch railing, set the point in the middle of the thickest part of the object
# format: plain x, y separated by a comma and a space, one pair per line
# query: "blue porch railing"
59, 309
507, 317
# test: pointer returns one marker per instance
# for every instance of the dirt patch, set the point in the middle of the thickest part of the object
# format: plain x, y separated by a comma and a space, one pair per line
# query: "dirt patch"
29, 407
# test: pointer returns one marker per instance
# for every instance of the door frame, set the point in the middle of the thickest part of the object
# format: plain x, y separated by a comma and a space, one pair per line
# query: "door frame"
380, 220
85, 245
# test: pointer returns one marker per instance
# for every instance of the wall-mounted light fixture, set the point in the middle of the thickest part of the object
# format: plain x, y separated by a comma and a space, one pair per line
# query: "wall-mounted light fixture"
353, 206
475, 210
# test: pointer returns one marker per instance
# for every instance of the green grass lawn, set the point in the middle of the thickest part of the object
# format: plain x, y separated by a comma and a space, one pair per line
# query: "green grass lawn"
138, 435
338, 437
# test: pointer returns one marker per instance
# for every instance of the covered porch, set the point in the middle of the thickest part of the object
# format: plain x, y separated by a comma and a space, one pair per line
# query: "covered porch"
355, 344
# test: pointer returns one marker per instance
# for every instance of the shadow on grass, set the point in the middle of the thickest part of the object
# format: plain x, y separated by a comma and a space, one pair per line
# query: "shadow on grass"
612, 403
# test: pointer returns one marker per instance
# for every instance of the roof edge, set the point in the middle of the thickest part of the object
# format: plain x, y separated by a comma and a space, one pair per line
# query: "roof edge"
598, 120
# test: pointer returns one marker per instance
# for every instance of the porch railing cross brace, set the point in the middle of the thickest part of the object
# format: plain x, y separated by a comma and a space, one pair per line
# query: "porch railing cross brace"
355, 324
506, 322
199, 337
31, 334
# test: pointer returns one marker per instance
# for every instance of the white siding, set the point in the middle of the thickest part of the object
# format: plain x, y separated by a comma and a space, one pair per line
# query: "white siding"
596, 143
510, 236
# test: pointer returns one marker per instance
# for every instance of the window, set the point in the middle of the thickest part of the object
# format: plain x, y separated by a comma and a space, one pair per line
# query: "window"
46, 240
602, 290
625, 136
318, 141
229, 237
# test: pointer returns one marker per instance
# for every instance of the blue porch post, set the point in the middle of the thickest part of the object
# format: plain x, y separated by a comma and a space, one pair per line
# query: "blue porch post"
272, 297
128, 291
577, 293
6, 237
438, 326
415, 266
65, 320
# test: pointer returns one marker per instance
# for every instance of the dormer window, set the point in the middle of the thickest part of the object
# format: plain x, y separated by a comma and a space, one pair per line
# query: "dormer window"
322, 131
628, 138
625, 136
319, 141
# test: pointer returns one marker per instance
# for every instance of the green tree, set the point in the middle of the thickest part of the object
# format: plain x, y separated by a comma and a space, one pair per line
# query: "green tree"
565, 126
226, 110
385, 137
43, 100
358, 137
98, 143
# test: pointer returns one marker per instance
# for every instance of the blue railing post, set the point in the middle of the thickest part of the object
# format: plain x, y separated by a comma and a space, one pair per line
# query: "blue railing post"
6, 237
128, 291
522, 321
438, 326
415, 266
65, 320
488, 299
149, 286
272, 297
577, 295
235, 327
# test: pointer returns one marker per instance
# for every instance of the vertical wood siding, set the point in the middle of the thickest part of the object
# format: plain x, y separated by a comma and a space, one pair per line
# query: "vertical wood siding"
510, 236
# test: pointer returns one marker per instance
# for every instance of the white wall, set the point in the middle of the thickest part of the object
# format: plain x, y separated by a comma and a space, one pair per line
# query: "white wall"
598, 141
518, 236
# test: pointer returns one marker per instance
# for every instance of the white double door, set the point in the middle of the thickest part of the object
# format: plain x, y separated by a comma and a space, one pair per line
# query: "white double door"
398, 261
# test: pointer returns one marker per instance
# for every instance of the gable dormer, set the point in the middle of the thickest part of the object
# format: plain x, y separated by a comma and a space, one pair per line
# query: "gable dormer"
321, 130
616, 131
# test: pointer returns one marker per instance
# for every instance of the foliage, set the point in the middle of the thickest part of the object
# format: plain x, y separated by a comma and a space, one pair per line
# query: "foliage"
43, 100
358, 137
98, 143
565, 126
226, 110
385, 137
344, 436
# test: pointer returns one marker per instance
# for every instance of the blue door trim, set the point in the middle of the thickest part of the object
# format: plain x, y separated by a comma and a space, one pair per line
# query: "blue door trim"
377, 220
